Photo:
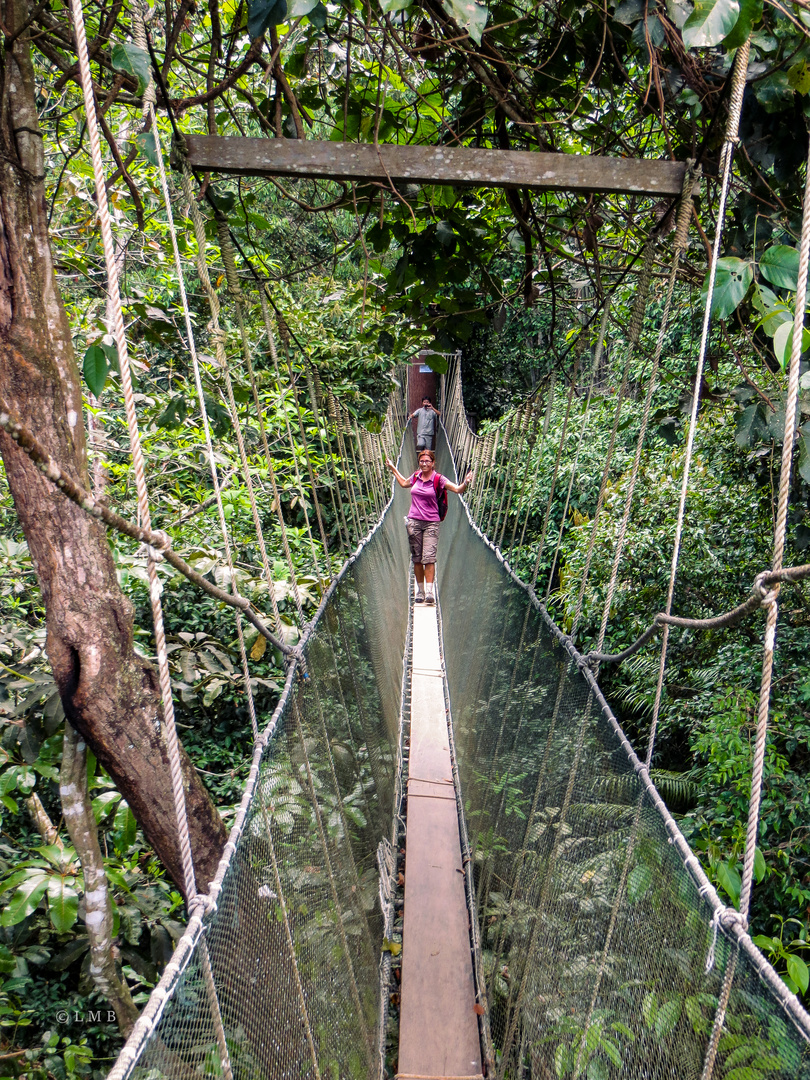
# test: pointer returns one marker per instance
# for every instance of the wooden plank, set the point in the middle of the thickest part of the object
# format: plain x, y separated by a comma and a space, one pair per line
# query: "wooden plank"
438, 1033
458, 166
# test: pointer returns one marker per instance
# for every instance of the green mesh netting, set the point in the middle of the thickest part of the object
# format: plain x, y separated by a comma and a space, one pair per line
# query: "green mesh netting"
594, 933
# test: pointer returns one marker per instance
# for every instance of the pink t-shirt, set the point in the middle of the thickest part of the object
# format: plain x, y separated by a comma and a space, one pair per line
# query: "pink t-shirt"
423, 497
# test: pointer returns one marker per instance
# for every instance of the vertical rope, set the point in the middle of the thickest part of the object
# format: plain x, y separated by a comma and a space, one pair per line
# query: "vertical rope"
175, 765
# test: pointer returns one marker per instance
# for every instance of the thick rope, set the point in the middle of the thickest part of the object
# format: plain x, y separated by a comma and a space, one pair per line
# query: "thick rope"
206, 427
771, 601
681, 236
583, 427
119, 335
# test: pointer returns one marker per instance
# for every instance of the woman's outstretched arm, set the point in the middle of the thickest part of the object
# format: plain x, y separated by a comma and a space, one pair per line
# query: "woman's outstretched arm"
403, 481
462, 487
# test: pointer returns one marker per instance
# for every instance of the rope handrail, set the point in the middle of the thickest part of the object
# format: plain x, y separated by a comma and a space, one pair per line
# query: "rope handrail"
759, 596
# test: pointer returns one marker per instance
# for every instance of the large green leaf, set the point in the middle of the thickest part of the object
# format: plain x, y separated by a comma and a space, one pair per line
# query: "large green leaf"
710, 22
751, 426
733, 279
638, 881
95, 369
750, 15
469, 15
390, 7
804, 452
132, 61
265, 13
668, 1016
783, 342
63, 904
25, 898
780, 265
799, 972
729, 879
297, 8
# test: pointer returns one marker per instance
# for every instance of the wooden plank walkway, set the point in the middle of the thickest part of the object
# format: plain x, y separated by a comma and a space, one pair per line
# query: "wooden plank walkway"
438, 1034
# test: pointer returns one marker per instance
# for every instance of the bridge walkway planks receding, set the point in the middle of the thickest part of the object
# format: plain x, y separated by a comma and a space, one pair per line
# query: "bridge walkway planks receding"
438, 1024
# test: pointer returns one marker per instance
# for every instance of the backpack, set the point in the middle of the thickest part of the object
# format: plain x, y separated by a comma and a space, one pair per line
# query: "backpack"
441, 494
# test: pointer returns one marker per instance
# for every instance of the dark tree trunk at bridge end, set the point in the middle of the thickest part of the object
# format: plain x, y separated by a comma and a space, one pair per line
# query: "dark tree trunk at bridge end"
110, 695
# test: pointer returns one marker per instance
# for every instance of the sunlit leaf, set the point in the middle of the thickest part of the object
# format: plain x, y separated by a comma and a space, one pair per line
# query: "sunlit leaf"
799, 972
63, 904
780, 265
148, 146
729, 880
732, 281
710, 22
750, 15
469, 15
132, 61
95, 369
25, 898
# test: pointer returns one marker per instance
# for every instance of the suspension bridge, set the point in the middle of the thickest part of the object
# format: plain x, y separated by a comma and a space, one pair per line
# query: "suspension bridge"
448, 860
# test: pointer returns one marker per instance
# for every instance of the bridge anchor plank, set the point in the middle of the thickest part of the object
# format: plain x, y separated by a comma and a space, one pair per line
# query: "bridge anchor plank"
455, 165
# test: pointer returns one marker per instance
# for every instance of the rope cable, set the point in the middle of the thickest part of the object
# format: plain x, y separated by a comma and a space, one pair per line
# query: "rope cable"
119, 335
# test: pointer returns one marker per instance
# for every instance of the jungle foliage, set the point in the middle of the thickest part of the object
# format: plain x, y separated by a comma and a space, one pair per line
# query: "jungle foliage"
363, 276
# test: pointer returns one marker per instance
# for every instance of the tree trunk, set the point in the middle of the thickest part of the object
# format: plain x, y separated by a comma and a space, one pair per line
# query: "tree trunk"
109, 694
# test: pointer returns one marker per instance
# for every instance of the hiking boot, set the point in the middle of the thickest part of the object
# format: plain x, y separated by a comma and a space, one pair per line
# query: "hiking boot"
420, 597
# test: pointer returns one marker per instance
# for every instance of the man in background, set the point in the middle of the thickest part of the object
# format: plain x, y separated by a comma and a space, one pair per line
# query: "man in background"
427, 424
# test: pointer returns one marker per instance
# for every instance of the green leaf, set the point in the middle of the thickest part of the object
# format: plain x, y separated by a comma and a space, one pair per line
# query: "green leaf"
318, 16
638, 881
629, 12
775, 92
25, 899
126, 827
780, 265
297, 8
7, 961
731, 283
783, 342
799, 77
751, 426
649, 1009
264, 13
799, 972
148, 146
750, 15
760, 867
668, 1016
174, 414
133, 61
63, 904
729, 880
71, 952
710, 22
469, 15
597, 1069
612, 1051
95, 369
804, 452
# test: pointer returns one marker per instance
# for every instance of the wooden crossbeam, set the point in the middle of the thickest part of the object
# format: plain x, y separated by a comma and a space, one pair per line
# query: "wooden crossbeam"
458, 166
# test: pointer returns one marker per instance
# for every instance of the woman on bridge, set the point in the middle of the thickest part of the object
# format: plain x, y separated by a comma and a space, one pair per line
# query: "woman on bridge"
428, 507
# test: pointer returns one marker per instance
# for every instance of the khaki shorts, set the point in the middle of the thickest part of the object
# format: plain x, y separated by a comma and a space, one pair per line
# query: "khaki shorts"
423, 538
